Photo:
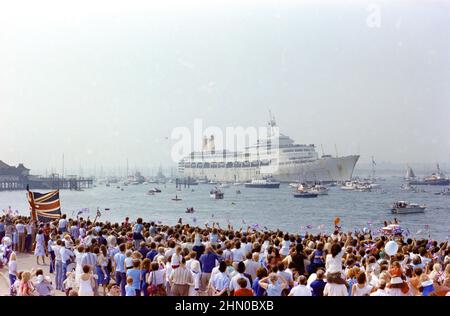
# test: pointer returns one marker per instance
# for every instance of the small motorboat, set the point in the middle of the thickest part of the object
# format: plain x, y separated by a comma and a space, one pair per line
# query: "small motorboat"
189, 210
402, 207
319, 189
305, 194
154, 190
216, 194
224, 185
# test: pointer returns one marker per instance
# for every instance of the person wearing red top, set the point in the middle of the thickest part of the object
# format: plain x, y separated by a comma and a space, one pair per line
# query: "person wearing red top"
243, 291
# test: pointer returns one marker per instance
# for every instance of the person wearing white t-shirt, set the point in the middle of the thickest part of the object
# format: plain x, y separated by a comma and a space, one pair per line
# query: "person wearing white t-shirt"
285, 246
247, 246
240, 274
381, 291
333, 289
20, 228
227, 254
237, 252
192, 259
302, 289
62, 224
252, 264
12, 269
176, 258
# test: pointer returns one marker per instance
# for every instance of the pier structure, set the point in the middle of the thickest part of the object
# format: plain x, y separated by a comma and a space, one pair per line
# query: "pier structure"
18, 178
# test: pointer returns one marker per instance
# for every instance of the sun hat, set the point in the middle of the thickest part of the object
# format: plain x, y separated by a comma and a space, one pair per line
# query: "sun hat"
195, 267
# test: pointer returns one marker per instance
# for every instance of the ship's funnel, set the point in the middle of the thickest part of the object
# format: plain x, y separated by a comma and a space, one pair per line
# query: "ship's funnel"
212, 146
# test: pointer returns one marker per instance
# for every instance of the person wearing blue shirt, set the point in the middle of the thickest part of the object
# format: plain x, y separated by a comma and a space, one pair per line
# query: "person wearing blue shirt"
119, 268
207, 262
153, 252
318, 284
143, 249
261, 273
273, 284
135, 274
129, 289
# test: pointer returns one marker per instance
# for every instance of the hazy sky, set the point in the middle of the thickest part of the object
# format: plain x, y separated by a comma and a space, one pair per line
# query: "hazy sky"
103, 81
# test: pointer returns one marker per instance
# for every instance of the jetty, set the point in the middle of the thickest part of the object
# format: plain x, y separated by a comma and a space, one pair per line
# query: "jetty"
18, 178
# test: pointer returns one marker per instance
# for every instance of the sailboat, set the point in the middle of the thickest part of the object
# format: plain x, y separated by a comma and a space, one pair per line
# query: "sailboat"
409, 174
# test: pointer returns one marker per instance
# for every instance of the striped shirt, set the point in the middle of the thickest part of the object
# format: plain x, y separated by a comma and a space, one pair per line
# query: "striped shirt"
220, 281
90, 259
181, 276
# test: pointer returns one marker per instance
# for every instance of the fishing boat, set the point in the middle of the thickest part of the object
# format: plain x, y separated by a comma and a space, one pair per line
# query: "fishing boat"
402, 207
216, 194
263, 184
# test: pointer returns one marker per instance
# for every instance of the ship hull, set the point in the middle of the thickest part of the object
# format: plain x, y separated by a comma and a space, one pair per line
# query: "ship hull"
430, 182
263, 186
328, 169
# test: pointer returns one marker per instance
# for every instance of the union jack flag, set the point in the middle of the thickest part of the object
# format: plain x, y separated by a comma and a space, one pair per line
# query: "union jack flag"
45, 207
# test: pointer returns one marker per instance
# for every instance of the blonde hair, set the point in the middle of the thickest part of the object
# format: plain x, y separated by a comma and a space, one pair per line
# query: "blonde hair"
437, 267
12, 257
26, 276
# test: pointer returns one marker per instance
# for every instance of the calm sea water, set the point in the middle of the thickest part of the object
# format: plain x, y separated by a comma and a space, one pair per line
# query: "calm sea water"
275, 209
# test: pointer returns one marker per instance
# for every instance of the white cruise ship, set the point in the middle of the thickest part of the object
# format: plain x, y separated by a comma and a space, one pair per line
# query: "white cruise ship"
286, 162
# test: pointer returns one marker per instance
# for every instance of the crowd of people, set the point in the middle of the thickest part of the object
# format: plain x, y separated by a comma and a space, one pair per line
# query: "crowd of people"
94, 258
